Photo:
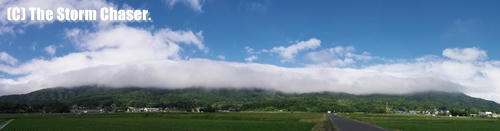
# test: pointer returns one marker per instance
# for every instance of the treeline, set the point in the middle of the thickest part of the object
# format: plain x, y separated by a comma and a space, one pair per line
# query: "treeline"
118, 99
51, 107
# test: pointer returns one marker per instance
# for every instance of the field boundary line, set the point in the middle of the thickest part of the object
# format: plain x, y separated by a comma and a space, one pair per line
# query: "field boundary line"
6, 123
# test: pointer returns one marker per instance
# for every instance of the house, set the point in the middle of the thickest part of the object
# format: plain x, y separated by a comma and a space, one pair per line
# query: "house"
174, 109
151, 110
401, 112
197, 109
134, 109
223, 111
496, 115
87, 111
443, 112
93, 111
434, 112
485, 114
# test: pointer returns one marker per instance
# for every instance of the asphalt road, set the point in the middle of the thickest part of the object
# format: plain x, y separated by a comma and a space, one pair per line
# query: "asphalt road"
343, 124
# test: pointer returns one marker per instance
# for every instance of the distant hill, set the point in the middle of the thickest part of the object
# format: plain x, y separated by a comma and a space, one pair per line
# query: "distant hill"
249, 99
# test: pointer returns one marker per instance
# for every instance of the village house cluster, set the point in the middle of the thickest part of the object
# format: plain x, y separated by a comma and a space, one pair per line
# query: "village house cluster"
145, 109
486, 114
430, 112
447, 113
86, 110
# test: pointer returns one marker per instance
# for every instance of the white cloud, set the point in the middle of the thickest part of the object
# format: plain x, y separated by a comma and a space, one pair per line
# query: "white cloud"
33, 46
251, 58
51, 49
6, 58
221, 57
188, 36
477, 79
101, 49
150, 58
260, 7
249, 50
337, 56
193, 4
465, 54
289, 53
18, 27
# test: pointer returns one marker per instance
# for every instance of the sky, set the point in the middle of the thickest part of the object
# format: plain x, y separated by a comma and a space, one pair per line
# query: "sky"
352, 46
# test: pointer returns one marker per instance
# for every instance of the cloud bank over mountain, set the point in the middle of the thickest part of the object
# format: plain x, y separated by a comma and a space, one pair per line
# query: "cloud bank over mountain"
150, 58
119, 55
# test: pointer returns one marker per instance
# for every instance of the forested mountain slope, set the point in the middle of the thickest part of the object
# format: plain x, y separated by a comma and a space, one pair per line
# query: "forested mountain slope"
249, 99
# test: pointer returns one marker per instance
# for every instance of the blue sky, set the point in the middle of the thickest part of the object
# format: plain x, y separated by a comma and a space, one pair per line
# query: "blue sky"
393, 29
355, 46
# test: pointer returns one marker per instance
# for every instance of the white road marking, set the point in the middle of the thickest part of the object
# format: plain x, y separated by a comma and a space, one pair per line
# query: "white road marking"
6, 123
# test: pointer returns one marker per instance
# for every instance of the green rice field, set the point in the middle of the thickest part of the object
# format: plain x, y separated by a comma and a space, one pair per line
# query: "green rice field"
165, 121
405, 122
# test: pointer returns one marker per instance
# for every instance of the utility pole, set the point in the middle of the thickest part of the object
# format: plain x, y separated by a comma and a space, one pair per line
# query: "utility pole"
386, 107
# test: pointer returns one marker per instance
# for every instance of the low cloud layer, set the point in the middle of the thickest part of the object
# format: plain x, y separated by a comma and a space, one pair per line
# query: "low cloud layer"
151, 58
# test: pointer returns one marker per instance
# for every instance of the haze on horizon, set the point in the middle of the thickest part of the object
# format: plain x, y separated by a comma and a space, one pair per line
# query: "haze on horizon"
172, 55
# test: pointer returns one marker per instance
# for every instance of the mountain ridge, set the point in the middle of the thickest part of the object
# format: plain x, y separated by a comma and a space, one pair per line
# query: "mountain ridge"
249, 99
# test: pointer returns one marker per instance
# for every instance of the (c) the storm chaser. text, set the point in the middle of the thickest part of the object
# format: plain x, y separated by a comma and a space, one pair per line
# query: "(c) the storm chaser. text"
67, 14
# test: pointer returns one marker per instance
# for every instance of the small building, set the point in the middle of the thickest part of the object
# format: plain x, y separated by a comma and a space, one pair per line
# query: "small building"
93, 111
134, 109
151, 110
434, 112
173, 109
486, 114
401, 112
496, 115
223, 111
87, 111
196, 109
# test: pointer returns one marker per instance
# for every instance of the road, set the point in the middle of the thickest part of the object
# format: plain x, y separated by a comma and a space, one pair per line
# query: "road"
5, 124
343, 124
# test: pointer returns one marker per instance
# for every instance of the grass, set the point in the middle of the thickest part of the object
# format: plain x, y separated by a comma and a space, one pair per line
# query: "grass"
165, 121
427, 123
2, 121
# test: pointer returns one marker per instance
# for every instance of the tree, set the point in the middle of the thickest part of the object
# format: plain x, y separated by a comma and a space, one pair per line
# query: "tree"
56, 107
